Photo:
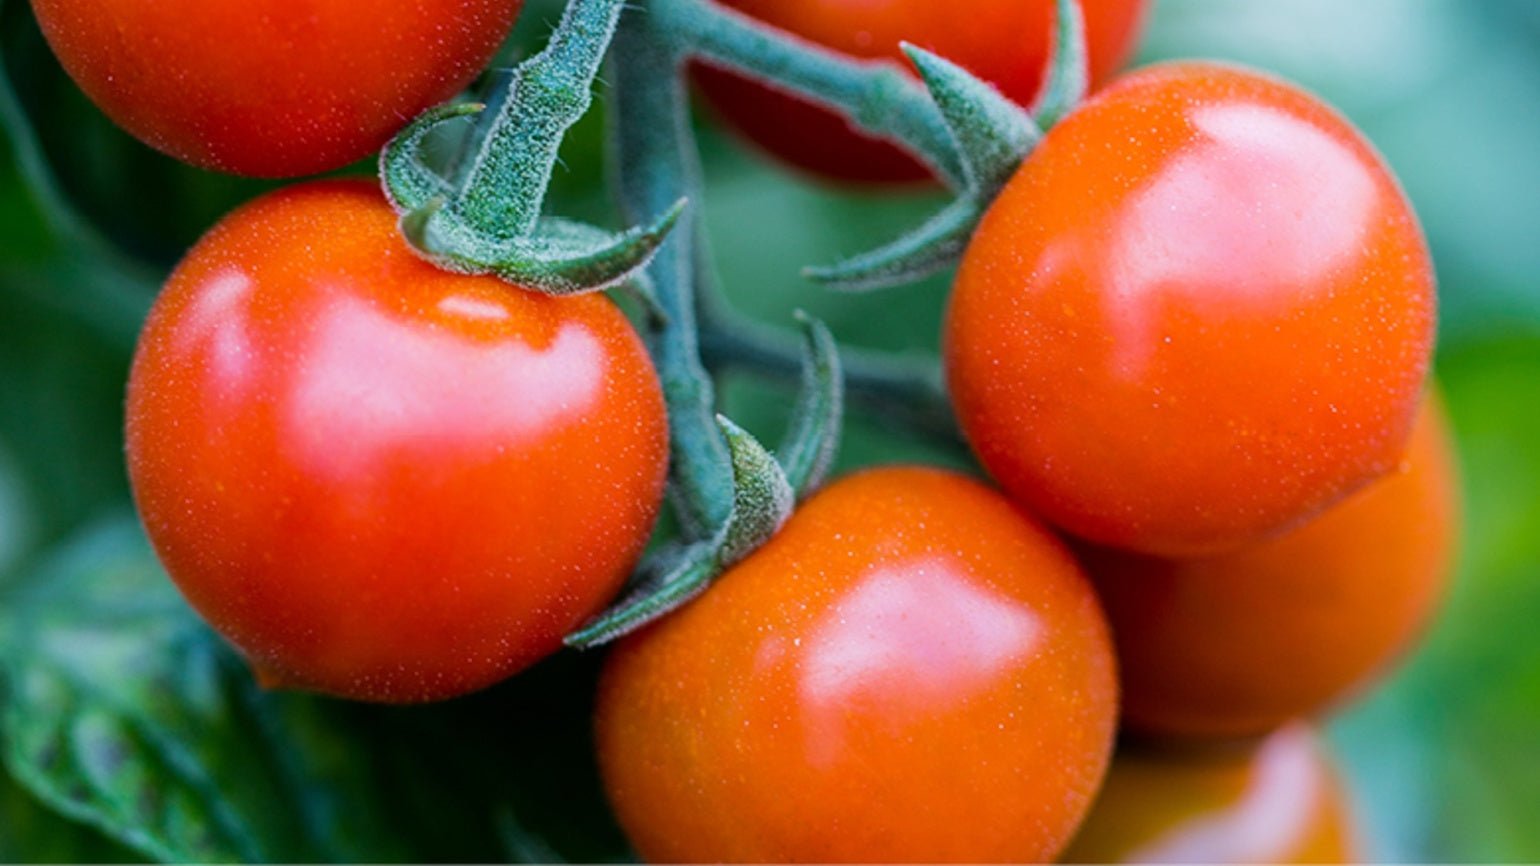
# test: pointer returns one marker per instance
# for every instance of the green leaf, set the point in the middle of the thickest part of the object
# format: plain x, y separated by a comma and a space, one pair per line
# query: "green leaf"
30, 833
121, 711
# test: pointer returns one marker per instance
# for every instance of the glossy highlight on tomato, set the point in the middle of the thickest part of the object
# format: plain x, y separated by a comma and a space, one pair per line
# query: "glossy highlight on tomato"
381, 480
1004, 42
1238, 644
1278, 801
911, 670
1200, 313
271, 88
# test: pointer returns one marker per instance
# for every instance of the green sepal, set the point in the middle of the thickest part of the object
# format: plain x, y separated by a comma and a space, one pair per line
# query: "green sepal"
762, 495
674, 575
1066, 75
992, 133
409, 184
561, 257
812, 438
932, 247
663, 591
487, 219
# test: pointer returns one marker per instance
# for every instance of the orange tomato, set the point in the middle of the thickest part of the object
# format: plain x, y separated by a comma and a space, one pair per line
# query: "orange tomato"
910, 670
1201, 313
1238, 644
271, 88
1276, 802
378, 479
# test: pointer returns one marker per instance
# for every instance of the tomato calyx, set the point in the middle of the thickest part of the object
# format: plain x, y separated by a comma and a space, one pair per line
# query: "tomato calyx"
488, 220
766, 486
993, 136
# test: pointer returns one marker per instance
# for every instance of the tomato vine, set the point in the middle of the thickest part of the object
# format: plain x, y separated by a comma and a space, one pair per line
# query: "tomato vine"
486, 218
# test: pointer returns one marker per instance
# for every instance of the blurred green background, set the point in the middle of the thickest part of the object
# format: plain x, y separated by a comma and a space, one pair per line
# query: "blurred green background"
1444, 758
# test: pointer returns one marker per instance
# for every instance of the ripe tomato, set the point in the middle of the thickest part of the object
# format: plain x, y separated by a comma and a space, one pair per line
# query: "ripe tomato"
271, 88
1277, 802
1201, 312
1238, 644
1004, 42
378, 479
911, 670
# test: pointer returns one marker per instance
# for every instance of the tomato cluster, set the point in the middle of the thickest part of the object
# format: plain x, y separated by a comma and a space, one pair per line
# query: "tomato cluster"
1192, 335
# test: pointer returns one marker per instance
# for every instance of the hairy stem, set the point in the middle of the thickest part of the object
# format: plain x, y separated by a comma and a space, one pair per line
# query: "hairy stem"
877, 95
656, 166
907, 388
505, 184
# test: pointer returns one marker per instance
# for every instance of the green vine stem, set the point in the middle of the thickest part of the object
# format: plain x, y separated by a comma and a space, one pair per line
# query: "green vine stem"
485, 215
519, 150
877, 95
656, 165
905, 387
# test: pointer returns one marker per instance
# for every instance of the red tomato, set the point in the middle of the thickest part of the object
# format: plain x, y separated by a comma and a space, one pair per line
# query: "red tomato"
378, 479
1277, 802
1200, 313
1238, 644
911, 670
271, 88
1004, 42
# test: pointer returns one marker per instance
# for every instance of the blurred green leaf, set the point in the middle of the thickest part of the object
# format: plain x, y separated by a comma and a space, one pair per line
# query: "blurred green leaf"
121, 711
30, 833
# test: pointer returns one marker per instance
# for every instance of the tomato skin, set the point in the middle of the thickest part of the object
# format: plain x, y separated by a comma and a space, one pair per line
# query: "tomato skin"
1201, 312
380, 480
1236, 645
1277, 801
1004, 42
911, 670
271, 88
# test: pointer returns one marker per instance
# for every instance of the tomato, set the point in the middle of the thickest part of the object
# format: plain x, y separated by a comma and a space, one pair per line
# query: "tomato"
1277, 802
912, 669
378, 479
1201, 312
1240, 643
271, 88
1004, 42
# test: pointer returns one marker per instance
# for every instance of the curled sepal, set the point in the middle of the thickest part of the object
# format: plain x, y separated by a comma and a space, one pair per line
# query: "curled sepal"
993, 134
934, 246
687, 573
675, 574
762, 495
812, 438
1067, 75
561, 257
409, 184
